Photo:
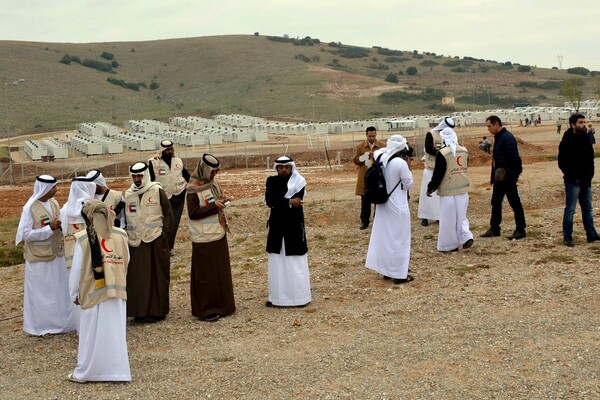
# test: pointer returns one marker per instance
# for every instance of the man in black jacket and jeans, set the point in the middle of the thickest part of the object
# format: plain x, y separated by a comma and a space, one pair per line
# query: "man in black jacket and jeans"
506, 168
576, 161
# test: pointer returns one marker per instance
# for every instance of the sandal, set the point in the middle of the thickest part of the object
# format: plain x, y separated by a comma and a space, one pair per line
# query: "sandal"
72, 378
409, 278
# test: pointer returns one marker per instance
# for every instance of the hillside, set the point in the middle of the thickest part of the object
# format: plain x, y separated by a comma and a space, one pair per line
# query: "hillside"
252, 75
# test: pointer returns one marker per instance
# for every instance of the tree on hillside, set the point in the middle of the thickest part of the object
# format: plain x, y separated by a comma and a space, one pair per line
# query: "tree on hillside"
411, 71
572, 90
391, 77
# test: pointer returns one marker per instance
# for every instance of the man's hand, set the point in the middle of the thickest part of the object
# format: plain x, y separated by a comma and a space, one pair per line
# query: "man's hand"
429, 193
365, 157
55, 224
296, 202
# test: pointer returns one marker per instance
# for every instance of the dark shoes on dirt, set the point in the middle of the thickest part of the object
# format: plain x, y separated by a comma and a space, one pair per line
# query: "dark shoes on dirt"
516, 235
490, 233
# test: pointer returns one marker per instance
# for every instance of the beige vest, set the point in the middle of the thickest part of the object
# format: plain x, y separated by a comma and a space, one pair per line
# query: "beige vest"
144, 216
49, 249
112, 199
207, 229
455, 180
437, 143
170, 179
72, 229
115, 258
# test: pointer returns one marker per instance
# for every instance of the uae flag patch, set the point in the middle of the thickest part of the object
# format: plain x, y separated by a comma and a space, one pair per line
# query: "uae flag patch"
45, 221
209, 200
132, 207
162, 171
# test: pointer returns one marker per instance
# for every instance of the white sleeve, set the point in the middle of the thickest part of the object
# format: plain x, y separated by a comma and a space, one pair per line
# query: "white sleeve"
34, 235
406, 176
75, 274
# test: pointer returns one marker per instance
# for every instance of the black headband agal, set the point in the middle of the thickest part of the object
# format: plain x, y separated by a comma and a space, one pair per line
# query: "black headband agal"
46, 179
449, 123
284, 160
95, 176
211, 160
166, 144
138, 168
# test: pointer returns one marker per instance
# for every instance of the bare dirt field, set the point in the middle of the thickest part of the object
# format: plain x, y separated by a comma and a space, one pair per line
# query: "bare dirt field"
503, 319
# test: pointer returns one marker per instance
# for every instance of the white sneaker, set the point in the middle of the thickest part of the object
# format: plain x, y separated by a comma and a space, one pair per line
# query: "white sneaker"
72, 378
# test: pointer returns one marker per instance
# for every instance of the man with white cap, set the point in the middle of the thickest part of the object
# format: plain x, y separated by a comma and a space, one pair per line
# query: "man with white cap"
429, 206
112, 198
170, 172
389, 245
148, 217
47, 309
363, 158
451, 182
98, 285
81, 190
289, 277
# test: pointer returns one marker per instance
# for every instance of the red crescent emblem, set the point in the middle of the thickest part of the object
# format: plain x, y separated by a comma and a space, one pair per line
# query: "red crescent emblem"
458, 161
112, 207
76, 226
177, 165
150, 199
103, 244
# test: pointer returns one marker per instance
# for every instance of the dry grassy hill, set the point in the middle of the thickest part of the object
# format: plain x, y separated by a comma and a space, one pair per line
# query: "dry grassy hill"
251, 75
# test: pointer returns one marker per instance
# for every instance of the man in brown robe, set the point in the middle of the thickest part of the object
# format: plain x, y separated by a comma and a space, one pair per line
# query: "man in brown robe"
149, 220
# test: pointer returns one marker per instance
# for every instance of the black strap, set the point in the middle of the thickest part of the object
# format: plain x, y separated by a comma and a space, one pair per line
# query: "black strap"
400, 181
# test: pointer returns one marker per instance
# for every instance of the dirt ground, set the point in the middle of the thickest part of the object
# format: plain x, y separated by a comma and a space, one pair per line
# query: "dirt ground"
503, 320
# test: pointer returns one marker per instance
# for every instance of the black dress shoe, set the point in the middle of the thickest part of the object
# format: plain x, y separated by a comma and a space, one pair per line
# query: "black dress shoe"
424, 222
593, 239
409, 278
516, 235
364, 225
490, 233
468, 244
211, 317
569, 242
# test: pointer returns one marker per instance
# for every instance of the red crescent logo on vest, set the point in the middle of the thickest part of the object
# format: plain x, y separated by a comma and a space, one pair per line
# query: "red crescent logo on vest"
150, 199
76, 226
112, 207
103, 244
177, 165
458, 161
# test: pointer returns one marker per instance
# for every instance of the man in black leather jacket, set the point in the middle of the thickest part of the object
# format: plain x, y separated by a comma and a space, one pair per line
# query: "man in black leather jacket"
506, 168
576, 161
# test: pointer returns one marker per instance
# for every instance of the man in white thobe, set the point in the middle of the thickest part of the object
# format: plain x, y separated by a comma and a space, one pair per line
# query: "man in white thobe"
389, 245
289, 277
113, 198
47, 309
451, 182
429, 206
98, 284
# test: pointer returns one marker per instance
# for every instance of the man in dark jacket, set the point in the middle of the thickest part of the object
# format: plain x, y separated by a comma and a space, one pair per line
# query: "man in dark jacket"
576, 161
506, 168
289, 278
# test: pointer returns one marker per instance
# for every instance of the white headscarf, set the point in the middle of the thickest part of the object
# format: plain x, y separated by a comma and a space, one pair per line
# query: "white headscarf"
97, 177
141, 168
82, 189
43, 184
395, 144
445, 123
450, 139
296, 182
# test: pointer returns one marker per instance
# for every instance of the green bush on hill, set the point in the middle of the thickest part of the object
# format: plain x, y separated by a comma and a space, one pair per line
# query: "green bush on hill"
379, 66
387, 52
578, 71
524, 68
98, 65
548, 85
429, 63
154, 85
66, 60
391, 77
396, 59
353, 52
123, 84
412, 71
107, 56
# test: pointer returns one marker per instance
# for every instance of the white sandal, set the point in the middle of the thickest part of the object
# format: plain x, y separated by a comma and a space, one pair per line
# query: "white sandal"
72, 378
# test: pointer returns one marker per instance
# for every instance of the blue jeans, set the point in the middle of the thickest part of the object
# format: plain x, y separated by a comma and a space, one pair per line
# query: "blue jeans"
574, 191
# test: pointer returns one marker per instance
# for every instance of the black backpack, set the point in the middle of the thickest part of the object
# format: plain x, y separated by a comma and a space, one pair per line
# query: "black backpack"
375, 187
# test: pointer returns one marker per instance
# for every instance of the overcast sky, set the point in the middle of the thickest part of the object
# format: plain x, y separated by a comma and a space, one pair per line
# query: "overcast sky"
522, 31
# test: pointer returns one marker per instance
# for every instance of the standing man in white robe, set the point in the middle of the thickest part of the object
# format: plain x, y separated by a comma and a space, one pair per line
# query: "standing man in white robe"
47, 309
98, 284
429, 206
451, 182
389, 246
289, 277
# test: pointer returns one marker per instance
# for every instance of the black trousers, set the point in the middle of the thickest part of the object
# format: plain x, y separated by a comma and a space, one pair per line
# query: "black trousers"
508, 189
365, 210
177, 203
